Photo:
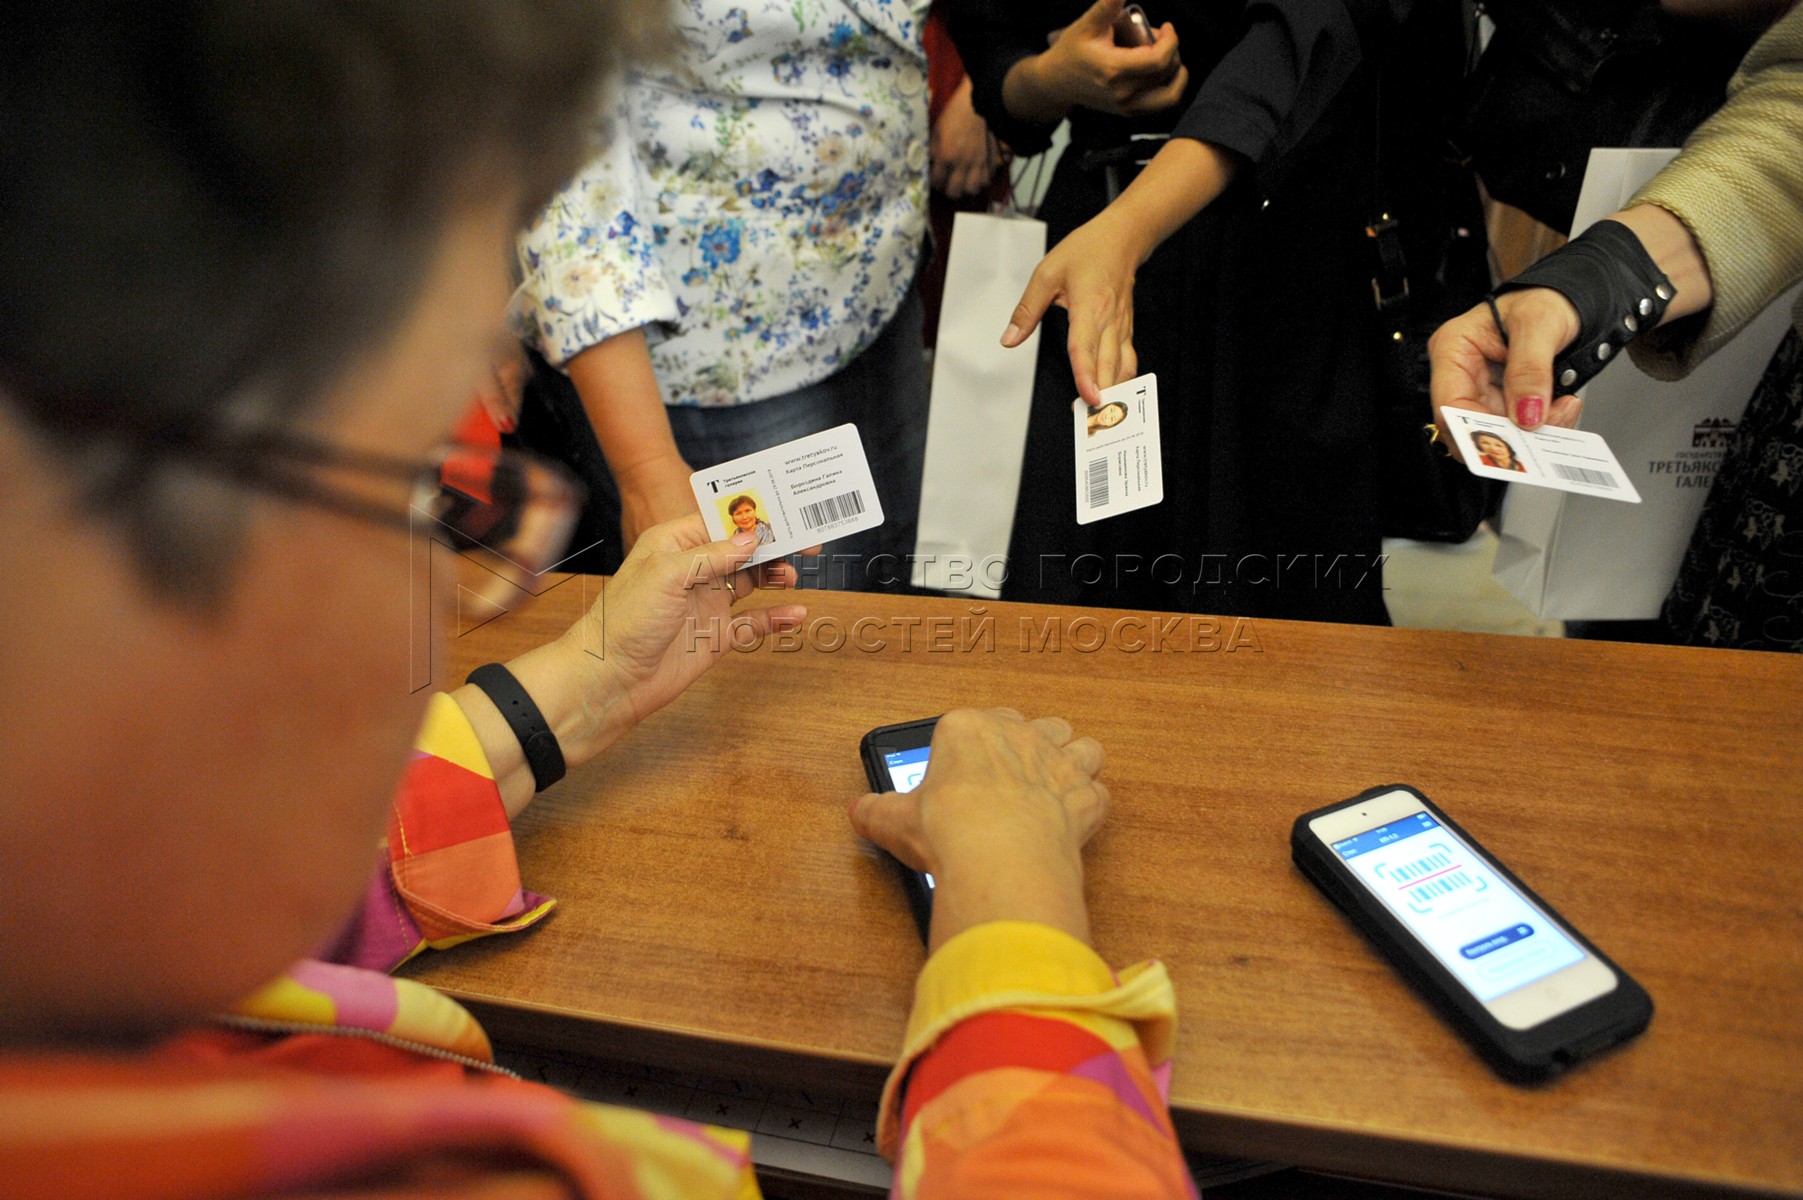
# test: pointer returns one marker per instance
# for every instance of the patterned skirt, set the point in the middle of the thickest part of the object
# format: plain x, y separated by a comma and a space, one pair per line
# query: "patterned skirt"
1741, 584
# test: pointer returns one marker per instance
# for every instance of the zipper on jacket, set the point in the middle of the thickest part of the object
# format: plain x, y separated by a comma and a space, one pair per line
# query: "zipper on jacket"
264, 1025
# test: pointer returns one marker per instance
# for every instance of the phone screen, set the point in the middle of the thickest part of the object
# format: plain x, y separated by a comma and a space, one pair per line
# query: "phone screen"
1483, 930
906, 767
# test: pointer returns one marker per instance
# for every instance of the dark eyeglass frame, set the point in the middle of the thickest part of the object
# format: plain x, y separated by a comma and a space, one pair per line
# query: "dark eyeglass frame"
278, 463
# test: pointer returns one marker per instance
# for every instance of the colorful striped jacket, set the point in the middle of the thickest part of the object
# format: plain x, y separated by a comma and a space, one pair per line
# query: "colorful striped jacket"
1030, 1069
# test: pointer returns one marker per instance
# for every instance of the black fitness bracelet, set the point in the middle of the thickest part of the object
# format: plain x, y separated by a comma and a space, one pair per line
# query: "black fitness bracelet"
543, 754
1613, 283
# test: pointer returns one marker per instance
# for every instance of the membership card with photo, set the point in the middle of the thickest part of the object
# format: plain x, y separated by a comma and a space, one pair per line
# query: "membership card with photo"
1120, 464
793, 496
1567, 459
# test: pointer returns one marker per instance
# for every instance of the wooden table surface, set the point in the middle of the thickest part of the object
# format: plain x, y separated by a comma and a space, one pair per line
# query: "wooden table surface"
718, 915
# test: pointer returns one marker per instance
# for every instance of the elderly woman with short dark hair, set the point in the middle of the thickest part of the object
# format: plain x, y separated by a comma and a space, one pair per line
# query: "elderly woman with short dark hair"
251, 268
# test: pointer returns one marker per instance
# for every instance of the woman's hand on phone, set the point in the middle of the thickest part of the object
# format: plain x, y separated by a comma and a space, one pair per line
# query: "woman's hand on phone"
1084, 68
1000, 821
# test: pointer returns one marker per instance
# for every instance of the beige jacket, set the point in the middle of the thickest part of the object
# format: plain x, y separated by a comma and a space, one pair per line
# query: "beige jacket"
1738, 186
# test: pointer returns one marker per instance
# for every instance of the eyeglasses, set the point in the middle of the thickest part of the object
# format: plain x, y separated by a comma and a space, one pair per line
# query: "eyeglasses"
508, 509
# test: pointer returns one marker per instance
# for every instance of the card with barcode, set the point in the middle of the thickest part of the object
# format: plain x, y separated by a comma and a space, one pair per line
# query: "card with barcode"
799, 494
1120, 463
1567, 459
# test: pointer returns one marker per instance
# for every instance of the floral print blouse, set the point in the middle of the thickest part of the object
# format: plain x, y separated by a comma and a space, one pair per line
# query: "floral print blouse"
757, 202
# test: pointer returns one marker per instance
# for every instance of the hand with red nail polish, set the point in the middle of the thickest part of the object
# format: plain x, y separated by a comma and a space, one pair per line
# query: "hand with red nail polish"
501, 393
1505, 372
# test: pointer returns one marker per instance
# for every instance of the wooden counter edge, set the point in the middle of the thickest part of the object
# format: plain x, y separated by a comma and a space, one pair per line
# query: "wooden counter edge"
1430, 1163
1347, 1150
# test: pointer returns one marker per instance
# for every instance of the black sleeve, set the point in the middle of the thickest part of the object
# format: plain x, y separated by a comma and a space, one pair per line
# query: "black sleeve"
991, 36
1290, 60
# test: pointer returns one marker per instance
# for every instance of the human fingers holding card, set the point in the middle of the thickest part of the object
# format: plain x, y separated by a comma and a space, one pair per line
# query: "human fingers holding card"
1475, 369
1477, 385
1090, 275
790, 498
675, 606
1539, 323
662, 620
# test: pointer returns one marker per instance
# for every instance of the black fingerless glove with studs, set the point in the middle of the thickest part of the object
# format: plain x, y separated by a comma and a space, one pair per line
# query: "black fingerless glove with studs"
1613, 283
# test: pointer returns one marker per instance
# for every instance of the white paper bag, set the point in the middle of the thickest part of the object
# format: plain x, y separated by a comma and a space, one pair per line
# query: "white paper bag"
1578, 558
977, 429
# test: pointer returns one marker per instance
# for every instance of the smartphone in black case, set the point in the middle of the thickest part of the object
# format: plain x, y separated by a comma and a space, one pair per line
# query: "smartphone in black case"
895, 758
1530, 992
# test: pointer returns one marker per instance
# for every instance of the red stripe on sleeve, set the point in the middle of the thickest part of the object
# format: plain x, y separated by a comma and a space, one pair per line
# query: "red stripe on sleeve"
998, 1039
441, 804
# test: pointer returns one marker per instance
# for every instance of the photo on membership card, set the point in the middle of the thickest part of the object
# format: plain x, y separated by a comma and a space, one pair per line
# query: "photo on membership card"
744, 512
1119, 461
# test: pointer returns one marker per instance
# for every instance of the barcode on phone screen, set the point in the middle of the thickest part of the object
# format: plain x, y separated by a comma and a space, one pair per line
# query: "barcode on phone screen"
1098, 482
1585, 475
832, 510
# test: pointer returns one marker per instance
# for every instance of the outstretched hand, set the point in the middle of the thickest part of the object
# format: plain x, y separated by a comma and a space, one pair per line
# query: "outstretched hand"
1090, 275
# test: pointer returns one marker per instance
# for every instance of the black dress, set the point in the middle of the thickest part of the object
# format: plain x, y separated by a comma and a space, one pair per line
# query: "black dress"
1257, 317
